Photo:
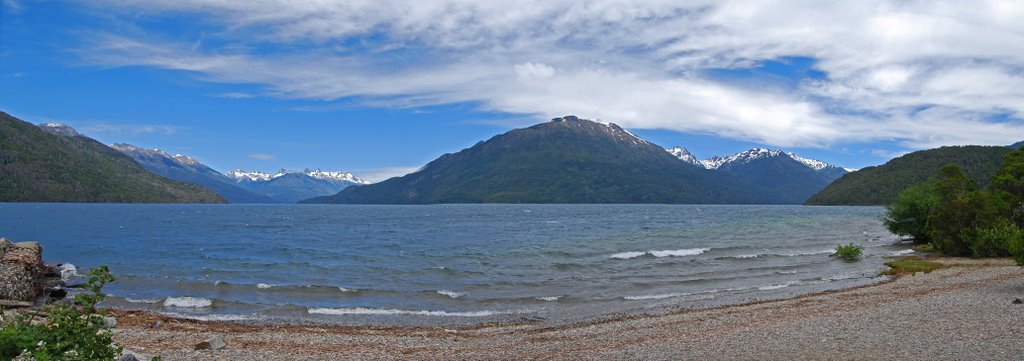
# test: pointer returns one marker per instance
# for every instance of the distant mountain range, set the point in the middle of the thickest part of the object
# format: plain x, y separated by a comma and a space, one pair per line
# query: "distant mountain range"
53, 163
292, 186
880, 185
185, 169
778, 177
240, 186
572, 160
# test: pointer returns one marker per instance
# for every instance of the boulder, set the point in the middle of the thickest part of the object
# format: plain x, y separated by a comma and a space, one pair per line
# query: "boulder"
21, 271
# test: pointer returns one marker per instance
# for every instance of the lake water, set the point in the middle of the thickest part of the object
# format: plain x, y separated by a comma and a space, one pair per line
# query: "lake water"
452, 264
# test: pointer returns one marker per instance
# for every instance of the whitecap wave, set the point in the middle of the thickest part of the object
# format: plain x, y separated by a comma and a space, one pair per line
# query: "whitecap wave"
548, 298
747, 256
395, 312
657, 297
627, 255
187, 302
902, 252
264, 286
774, 287
661, 253
679, 252
451, 294
343, 289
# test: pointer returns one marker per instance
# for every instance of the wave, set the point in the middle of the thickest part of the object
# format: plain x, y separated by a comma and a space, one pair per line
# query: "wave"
747, 256
362, 311
775, 287
902, 252
680, 294
451, 294
343, 289
662, 253
548, 298
263, 286
809, 253
188, 302
627, 255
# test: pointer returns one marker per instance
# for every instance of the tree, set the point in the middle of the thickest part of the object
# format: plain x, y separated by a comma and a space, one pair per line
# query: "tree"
1008, 183
909, 215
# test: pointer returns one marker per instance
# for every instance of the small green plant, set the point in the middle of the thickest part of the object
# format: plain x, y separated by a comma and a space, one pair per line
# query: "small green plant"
68, 333
848, 252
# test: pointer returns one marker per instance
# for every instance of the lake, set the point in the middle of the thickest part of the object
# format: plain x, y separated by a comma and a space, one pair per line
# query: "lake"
452, 264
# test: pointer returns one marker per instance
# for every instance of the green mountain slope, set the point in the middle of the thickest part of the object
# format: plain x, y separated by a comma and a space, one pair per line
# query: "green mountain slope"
567, 160
880, 185
38, 166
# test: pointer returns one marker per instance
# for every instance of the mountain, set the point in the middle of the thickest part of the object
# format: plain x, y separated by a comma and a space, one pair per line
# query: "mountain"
880, 185
185, 169
1017, 145
292, 186
567, 160
53, 163
777, 177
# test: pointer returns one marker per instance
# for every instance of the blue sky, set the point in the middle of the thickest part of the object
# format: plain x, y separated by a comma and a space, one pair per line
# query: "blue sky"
381, 88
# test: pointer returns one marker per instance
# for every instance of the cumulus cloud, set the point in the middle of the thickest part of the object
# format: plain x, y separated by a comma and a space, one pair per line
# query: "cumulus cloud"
916, 73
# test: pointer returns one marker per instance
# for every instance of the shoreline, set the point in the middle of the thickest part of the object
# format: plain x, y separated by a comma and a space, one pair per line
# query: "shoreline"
768, 328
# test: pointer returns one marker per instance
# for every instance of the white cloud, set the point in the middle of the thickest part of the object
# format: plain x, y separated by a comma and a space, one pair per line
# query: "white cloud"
261, 156
912, 72
129, 129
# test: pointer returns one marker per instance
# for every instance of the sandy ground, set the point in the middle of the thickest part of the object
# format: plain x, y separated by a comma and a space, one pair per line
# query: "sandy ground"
961, 313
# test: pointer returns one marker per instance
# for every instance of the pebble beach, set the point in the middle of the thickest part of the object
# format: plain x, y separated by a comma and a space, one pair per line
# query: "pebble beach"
966, 311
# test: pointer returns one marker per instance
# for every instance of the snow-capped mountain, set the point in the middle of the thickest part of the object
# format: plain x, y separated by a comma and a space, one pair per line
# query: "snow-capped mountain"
334, 176
183, 168
684, 155
781, 177
292, 186
750, 155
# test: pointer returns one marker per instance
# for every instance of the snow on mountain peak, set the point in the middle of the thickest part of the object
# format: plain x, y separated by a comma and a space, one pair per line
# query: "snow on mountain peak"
253, 176
684, 155
742, 157
334, 176
813, 163
717, 162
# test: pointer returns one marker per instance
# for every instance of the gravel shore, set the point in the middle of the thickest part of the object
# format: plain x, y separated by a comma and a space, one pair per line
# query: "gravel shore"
965, 312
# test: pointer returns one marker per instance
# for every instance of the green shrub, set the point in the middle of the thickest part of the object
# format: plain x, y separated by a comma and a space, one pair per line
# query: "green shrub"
69, 333
992, 241
849, 252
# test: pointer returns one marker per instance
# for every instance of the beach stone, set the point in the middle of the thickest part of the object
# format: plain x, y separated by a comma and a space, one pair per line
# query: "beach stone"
56, 293
212, 343
1018, 301
127, 357
109, 322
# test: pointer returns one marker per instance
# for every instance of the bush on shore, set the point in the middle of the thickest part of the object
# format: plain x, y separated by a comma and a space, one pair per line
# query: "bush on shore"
70, 332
